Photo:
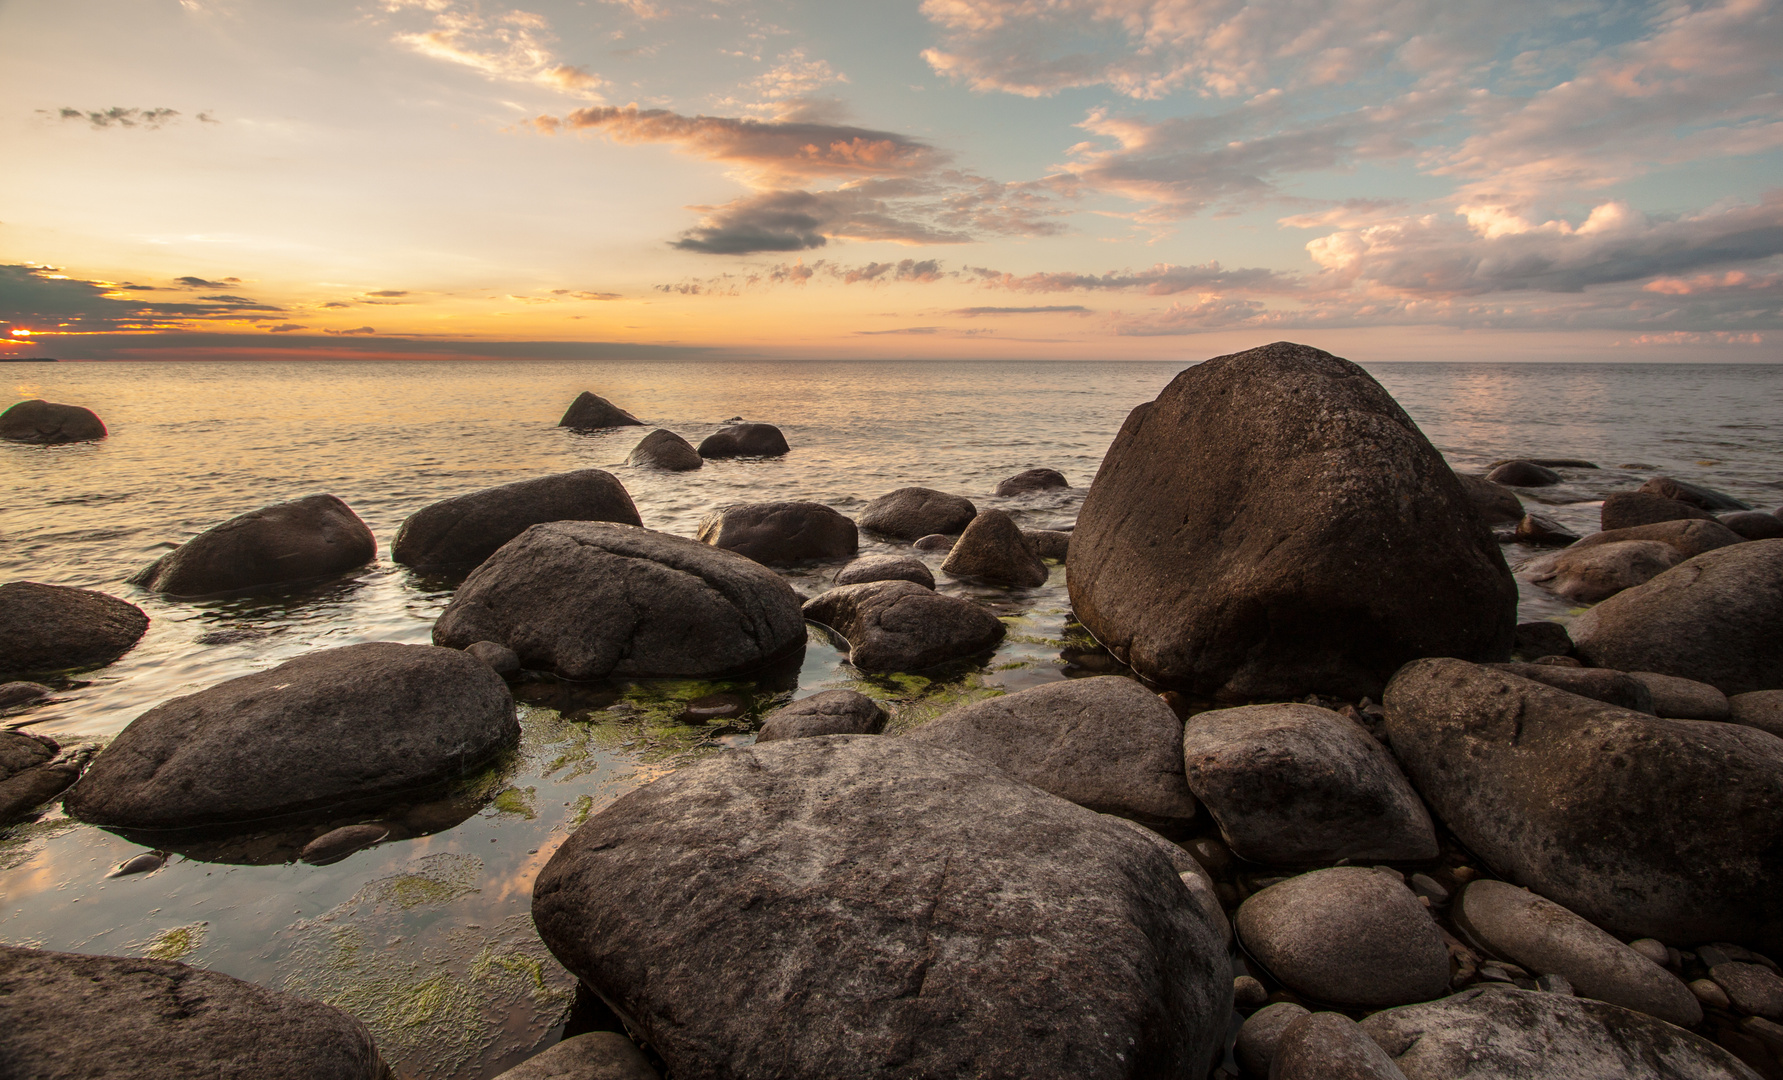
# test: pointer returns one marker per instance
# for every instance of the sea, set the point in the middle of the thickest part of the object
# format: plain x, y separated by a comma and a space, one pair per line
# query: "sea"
428, 939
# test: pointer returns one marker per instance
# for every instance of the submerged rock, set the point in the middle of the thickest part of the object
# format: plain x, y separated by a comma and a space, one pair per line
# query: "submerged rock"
828, 712
466, 529
886, 568
781, 533
1011, 935
46, 423
46, 628
586, 600
1033, 480
913, 513
663, 449
994, 551
933, 542
1598, 572
355, 724
593, 411
1628, 509
1696, 495
1495, 503
1523, 474
337, 844
744, 440
1274, 524
597, 1055
302, 540
901, 626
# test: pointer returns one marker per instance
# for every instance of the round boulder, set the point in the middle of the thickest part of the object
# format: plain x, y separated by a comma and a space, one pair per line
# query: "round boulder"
901, 626
886, 568
829, 712
1329, 1046
1261, 1033
285, 543
336, 727
781, 533
46, 423
1523, 474
1495, 503
1762, 709
744, 440
590, 411
1033, 480
1048, 543
1703, 498
1275, 524
1754, 524
1598, 572
994, 551
464, 530
1627, 509
47, 628
1011, 935
589, 599
663, 449
1682, 699
913, 513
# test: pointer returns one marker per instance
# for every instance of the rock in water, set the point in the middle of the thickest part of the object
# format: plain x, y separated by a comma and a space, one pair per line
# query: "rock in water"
1048, 543
1504, 1034
45, 628
1496, 503
284, 543
1646, 827
337, 844
744, 440
886, 568
913, 513
28, 789
593, 411
73, 1016
994, 551
597, 1055
1033, 480
1295, 784
1598, 572
20, 750
663, 449
1696, 495
901, 626
1544, 531
829, 712
1107, 743
1716, 618
1630, 509
14, 694
882, 908
335, 727
588, 599
1329, 1046
781, 533
47, 423
466, 529
1274, 524
1523, 474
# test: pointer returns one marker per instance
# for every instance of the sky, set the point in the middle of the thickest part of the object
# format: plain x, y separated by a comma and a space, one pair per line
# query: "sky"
1036, 179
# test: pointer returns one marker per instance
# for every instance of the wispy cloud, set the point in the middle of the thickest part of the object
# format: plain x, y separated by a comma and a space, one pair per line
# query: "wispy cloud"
1049, 309
512, 45
120, 117
349, 333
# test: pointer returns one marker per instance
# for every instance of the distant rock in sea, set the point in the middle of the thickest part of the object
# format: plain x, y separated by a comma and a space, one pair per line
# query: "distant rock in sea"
47, 423
590, 411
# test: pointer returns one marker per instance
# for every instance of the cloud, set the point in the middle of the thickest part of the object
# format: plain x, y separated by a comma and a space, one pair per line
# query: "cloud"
1160, 279
202, 283
514, 45
1050, 309
348, 333
388, 292
949, 331
802, 220
42, 298
119, 117
286, 328
575, 294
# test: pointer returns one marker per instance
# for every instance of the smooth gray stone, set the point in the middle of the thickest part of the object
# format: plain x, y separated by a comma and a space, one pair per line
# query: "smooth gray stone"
913, 513
466, 529
1704, 498
828, 712
46, 423
781, 533
1293, 784
21, 750
1753, 524
1495, 503
1761, 709
589, 599
336, 726
885, 568
1523, 474
72, 1016
744, 440
593, 411
1349, 935
994, 551
1753, 989
1329, 1046
1626, 509
1689, 537
1507, 1034
1588, 575
1259, 1035
1247, 536
1683, 699
1048, 543
46, 628
501, 659
598, 1055
663, 449
1644, 826
1611, 687
1033, 480
1716, 618
1107, 743
314, 537
1546, 938
14, 694
881, 907
901, 626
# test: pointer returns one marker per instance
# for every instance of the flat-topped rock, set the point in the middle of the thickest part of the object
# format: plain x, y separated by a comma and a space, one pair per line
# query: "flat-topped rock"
466, 529
46, 423
913, 513
994, 551
1033, 480
591, 411
49, 628
744, 440
886, 568
303, 540
781, 533
901, 626
828, 712
663, 449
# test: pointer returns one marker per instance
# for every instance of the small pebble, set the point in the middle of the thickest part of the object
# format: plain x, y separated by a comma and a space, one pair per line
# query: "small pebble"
1709, 994
1652, 949
1429, 888
1463, 874
1554, 984
1248, 993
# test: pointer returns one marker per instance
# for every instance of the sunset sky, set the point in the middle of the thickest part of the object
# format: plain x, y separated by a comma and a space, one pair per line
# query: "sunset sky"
1082, 179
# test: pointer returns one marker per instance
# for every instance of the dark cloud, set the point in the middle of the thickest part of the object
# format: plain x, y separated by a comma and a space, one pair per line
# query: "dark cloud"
1050, 309
286, 328
348, 333
803, 220
42, 298
119, 117
203, 283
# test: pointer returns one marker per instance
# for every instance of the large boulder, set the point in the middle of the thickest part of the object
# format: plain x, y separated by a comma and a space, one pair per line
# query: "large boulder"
1523, 474
901, 626
744, 440
1646, 827
1505, 1034
1703, 498
1597, 572
912, 513
886, 568
590, 411
46, 628
1033, 480
663, 449
72, 1017
47, 423
285, 543
1495, 503
1629, 509
1716, 618
862, 906
466, 529
360, 723
1292, 785
1106, 743
1274, 524
829, 712
588, 600
994, 551
781, 533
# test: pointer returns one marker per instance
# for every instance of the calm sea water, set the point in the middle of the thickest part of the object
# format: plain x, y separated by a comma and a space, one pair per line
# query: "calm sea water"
428, 939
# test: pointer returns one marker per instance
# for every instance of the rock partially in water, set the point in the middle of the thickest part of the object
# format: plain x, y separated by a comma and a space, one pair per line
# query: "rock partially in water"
356, 724
46, 423
20, 750
994, 551
1553, 462
302, 540
1048, 543
1753, 524
781, 533
663, 449
598, 1055
1508, 1034
1689, 537
1703, 498
146, 863
464, 530
1647, 827
886, 568
914, 513
1598, 572
72, 1015
901, 626
1275, 524
501, 659
1628, 509
15, 694
1761, 709
1495, 503
1523, 474
1349, 935
28, 789
933, 542
1682, 699
1546, 939
828, 712
1261, 1034
1716, 618
587, 600
338, 844
744, 440
1543, 531
1542, 638
1613, 687
1292, 785
1033, 480
591, 411
1107, 743
1329, 1046
1011, 935
48, 628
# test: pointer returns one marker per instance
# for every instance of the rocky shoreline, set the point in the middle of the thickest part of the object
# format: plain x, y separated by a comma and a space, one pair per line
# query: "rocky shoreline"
1546, 851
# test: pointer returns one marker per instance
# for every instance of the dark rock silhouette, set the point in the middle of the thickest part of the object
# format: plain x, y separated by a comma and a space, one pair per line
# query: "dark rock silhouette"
47, 423
466, 529
303, 540
663, 449
591, 411
1033, 480
744, 440
1628, 509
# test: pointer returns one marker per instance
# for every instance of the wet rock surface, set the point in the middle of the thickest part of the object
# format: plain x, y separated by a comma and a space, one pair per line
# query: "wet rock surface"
587, 600
744, 440
828, 712
933, 542
1011, 935
1543, 531
1627, 509
663, 449
47, 423
15, 694
465, 530
994, 551
501, 659
20, 751
48, 628
886, 568
598, 1055
901, 626
29, 788
913, 513
1329, 1046
1590, 574
302, 540
1033, 480
781, 533
590, 411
